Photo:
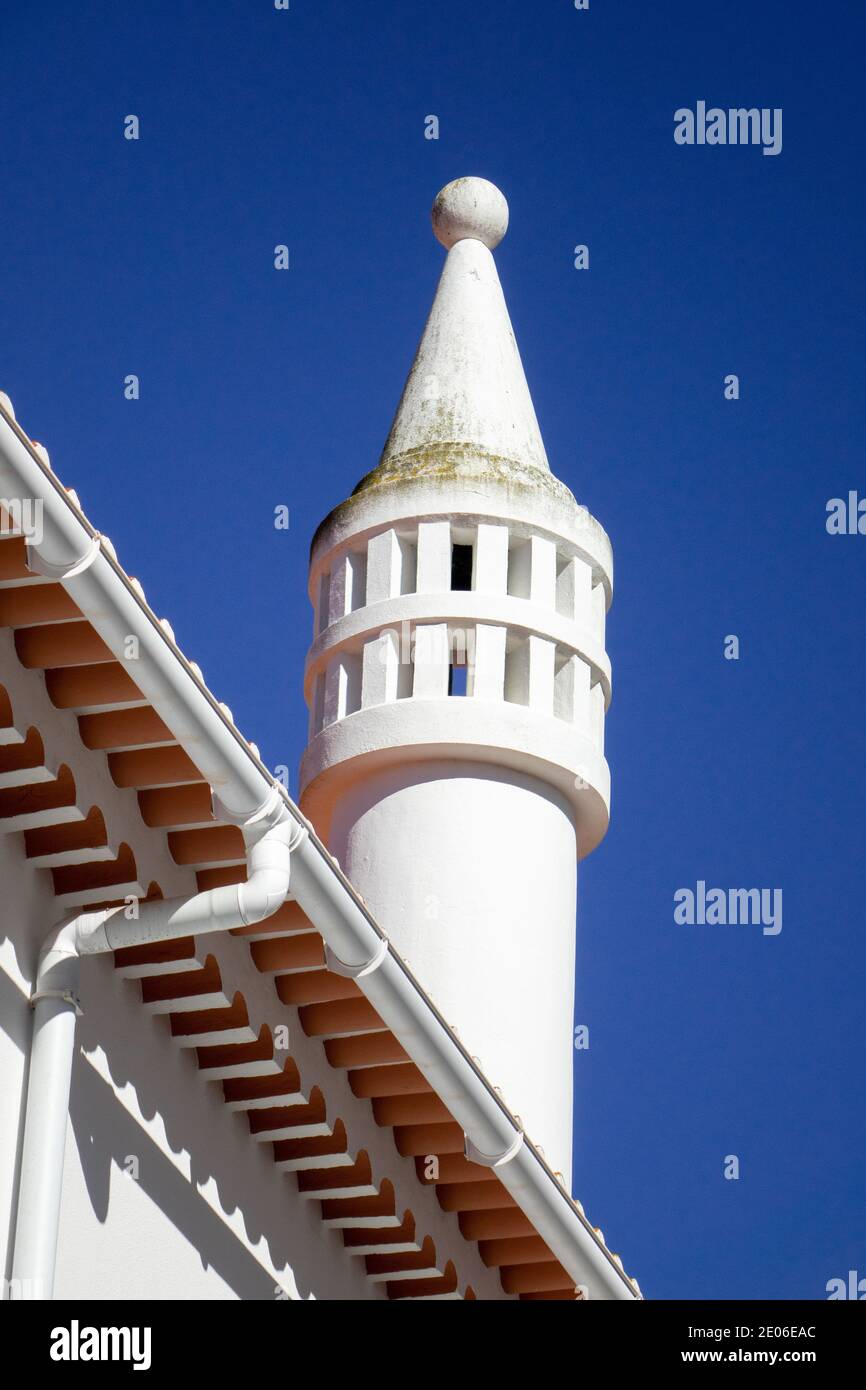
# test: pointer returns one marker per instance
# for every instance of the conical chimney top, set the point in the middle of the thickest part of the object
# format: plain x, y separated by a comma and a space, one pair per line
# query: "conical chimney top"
466, 410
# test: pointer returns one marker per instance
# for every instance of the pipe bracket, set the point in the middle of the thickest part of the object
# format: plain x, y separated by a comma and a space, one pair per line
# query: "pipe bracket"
474, 1155
48, 570
65, 994
270, 808
355, 972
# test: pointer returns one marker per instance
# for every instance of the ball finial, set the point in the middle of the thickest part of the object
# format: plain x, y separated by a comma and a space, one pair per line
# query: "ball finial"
470, 208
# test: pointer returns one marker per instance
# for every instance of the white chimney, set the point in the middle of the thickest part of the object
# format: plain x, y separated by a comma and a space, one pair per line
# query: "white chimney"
461, 563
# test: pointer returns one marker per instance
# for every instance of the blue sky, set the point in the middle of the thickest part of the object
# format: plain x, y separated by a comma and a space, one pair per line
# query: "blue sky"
259, 388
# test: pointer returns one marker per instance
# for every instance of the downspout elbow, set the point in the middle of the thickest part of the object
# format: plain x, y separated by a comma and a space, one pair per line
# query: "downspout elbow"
267, 887
79, 936
215, 910
58, 966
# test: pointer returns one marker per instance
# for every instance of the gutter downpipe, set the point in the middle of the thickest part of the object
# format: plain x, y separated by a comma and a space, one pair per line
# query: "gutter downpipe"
69, 551
55, 1008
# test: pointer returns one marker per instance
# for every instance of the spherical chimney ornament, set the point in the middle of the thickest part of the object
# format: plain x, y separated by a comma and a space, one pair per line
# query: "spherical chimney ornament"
470, 208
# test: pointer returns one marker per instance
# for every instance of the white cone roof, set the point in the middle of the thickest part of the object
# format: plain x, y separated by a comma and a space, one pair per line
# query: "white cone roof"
466, 394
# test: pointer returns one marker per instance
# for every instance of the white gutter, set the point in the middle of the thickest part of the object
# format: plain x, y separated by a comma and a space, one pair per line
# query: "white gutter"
70, 551
55, 1007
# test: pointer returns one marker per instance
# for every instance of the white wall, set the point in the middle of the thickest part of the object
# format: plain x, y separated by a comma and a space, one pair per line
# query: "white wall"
210, 1215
